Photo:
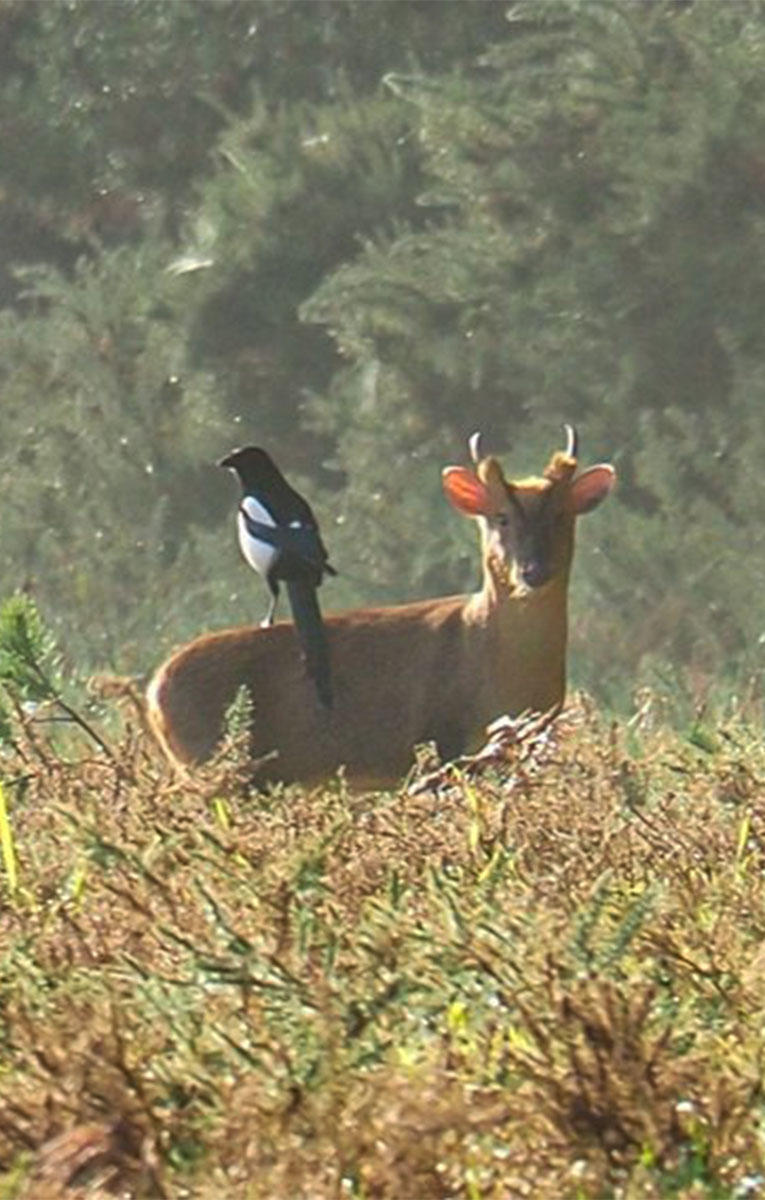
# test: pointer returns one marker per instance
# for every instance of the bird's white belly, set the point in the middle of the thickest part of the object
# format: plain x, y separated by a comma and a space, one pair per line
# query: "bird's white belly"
260, 555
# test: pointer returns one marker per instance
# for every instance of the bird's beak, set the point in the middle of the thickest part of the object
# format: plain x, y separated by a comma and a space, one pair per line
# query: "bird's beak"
228, 461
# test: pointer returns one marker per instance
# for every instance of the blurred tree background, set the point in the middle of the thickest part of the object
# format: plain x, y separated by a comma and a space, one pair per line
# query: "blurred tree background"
354, 232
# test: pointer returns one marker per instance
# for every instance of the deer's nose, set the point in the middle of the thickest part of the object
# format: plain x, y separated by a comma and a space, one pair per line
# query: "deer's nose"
534, 573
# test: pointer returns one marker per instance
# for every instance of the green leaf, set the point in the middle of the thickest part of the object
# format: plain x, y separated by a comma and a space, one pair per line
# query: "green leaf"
27, 652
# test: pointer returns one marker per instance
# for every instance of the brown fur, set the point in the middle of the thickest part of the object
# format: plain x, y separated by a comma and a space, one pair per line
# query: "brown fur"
433, 670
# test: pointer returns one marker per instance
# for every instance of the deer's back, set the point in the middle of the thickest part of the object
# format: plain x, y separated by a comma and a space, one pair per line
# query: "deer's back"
393, 681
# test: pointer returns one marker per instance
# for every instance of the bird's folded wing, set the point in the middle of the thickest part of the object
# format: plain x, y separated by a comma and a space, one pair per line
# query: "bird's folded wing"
299, 541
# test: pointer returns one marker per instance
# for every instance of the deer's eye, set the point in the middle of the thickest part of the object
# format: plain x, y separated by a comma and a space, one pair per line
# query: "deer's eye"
502, 519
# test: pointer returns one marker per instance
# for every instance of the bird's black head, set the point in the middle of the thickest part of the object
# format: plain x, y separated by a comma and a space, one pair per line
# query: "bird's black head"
254, 466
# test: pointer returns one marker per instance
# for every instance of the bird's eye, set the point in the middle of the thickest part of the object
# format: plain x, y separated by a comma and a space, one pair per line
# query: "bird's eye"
502, 519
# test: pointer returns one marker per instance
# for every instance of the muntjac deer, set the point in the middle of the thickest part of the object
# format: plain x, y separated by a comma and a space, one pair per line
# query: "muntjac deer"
436, 670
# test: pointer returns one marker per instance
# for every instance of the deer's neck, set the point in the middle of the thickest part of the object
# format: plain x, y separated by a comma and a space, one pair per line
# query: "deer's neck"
522, 642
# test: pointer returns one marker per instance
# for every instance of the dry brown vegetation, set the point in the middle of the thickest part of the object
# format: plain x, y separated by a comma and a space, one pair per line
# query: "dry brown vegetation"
540, 978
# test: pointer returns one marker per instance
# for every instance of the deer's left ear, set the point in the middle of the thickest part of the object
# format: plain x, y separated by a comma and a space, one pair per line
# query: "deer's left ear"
591, 487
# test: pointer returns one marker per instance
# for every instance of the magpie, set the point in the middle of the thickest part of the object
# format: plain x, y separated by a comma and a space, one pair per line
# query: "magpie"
279, 537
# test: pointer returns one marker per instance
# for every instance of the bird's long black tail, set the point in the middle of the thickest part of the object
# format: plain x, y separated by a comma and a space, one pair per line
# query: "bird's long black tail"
312, 636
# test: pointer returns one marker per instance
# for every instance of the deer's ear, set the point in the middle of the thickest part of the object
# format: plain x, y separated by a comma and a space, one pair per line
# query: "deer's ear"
591, 487
466, 492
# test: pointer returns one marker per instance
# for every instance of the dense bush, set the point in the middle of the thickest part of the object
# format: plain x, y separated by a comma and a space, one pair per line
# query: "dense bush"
542, 977
355, 233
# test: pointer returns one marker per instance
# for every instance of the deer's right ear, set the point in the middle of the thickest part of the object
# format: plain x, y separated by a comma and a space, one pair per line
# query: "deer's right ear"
466, 492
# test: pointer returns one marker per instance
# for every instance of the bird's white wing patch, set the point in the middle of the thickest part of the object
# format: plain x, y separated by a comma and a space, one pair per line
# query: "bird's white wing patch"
257, 511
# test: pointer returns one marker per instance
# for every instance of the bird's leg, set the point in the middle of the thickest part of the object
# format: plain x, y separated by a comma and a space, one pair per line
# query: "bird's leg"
268, 619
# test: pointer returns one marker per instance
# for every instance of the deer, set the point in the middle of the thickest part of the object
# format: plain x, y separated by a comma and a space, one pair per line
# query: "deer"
436, 670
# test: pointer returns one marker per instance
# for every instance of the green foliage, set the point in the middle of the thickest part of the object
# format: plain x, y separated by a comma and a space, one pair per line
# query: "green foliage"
356, 232
192, 215
32, 681
595, 254
27, 653
108, 468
